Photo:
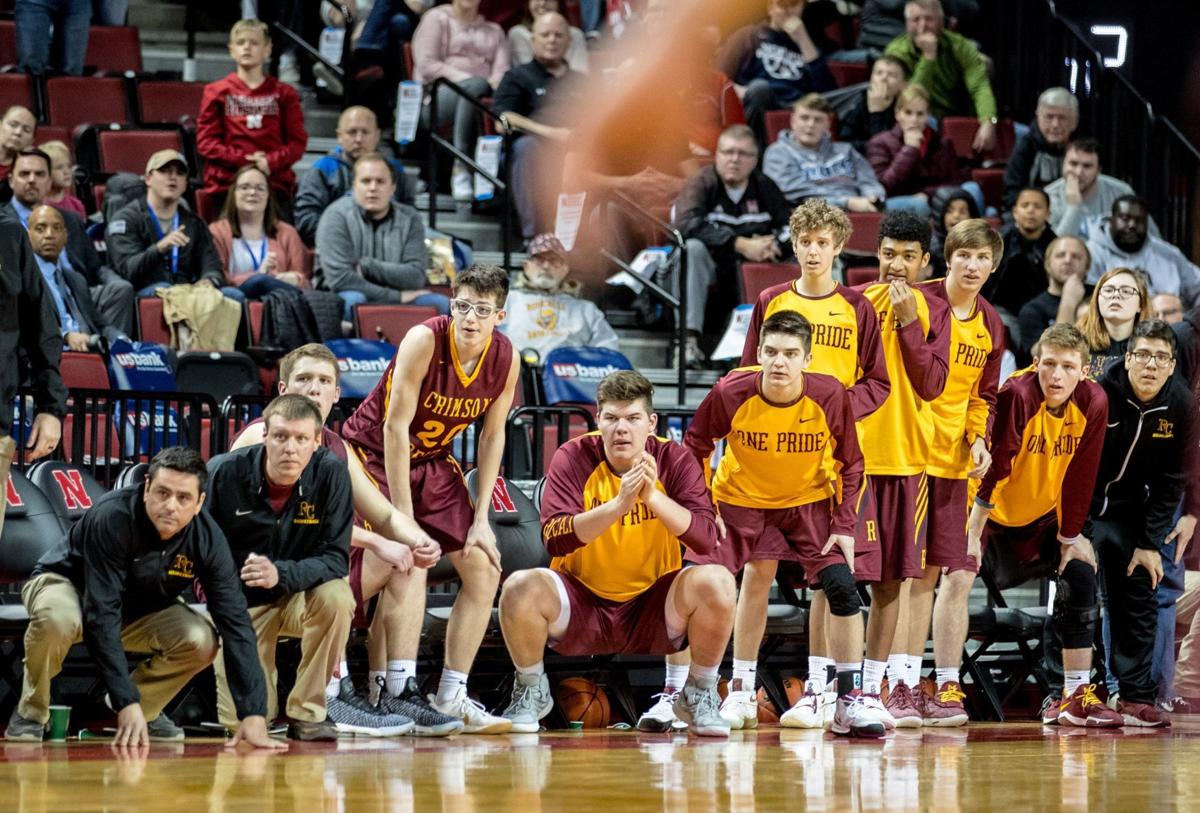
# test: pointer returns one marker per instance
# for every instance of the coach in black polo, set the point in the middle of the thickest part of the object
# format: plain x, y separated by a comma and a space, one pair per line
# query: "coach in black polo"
114, 582
286, 509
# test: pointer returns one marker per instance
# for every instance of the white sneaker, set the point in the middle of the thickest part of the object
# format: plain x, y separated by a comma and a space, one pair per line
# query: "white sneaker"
476, 719
808, 712
740, 710
828, 708
853, 718
661, 716
462, 186
874, 709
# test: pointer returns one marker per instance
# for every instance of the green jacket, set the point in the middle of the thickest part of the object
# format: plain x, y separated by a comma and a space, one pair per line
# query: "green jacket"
957, 80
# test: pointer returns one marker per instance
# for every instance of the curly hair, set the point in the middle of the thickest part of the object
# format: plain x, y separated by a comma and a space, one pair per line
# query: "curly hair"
816, 214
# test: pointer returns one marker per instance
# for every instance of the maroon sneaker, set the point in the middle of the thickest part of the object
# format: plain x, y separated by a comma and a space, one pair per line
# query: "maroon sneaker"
945, 709
1051, 706
902, 705
1143, 715
1085, 710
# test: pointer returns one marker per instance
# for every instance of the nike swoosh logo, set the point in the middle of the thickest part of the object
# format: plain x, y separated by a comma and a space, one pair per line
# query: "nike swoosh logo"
835, 313
1068, 423
803, 420
243, 513
979, 335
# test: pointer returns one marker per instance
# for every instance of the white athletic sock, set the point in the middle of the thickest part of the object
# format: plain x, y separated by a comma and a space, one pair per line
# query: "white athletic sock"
334, 686
398, 673
373, 678
872, 675
897, 669
818, 673
914, 671
451, 685
1074, 678
538, 669
676, 676
698, 673
946, 674
745, 672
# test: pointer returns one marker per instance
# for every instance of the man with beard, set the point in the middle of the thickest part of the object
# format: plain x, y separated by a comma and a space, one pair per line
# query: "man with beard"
544, 309
1123, 241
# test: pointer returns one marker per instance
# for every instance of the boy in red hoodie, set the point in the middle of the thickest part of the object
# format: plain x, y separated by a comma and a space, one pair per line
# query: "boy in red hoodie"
250, 118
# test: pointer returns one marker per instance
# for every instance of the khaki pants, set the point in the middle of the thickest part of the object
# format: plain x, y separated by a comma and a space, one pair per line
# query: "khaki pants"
180, 641
320, 618
1187, 667
8, 448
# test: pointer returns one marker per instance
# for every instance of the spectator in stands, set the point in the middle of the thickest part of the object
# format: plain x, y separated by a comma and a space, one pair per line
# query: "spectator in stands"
948, 207
520, 38
912, 160
1167, 307
114, 295
949, 66
16, 135
544, 308
1119, 301
332, 175
250, 118
372, 249
1066, 260
883, 20
457, 43
67, 20
874, 110
806, 163
156, 243
62, 179
729, 213
259, 251
388, 26
81, 324
1084, 195
774, 63
1037, 158
531, 100
1022, 272
1122, 241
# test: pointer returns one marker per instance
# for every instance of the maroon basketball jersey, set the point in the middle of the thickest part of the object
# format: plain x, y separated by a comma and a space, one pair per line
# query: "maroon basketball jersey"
450, 399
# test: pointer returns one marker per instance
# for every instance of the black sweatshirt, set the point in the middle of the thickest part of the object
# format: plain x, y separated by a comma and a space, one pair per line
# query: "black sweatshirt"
309, 542
123, 570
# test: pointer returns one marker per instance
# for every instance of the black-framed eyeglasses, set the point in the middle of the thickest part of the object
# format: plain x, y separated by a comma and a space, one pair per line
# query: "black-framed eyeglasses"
1160, 359
1119, 291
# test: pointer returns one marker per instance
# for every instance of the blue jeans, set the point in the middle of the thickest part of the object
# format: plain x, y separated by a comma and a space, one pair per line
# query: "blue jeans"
908, 203
259, 285
1169, 591
352, 298
69, 20
591, 13
385, 28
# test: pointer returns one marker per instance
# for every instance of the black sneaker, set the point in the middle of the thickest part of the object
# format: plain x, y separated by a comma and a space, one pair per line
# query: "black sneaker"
429, 721
162, 729
354, 715
309, 731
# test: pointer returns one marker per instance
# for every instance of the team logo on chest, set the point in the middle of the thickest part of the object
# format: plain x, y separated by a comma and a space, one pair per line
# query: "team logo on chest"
306, 514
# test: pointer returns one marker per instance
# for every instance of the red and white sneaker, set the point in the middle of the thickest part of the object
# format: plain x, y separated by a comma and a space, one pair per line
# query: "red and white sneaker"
902, 705
945, 709
1085, 710
1051, 706
1143, 715
854, 718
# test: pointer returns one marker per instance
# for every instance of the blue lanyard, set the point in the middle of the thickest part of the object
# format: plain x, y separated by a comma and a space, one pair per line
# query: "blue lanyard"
158, 233
257, 261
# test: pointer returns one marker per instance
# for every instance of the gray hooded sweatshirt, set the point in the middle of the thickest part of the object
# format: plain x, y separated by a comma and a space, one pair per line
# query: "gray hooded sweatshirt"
1167, 270
834, 171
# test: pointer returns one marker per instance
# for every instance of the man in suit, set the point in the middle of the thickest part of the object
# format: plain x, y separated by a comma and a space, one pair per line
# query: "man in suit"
112, 294
81, 323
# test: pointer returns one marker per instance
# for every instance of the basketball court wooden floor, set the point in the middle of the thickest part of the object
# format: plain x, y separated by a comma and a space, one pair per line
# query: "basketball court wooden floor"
1005, 767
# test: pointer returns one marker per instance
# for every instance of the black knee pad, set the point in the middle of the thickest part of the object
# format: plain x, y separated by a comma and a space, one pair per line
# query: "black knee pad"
1075, 606
840, 590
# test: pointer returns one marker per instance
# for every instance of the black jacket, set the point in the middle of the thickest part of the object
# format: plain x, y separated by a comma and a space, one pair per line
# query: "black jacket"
705, 212
858, 124
123, 571
93, 320
28, 321
1021, 275
309, 543
84, 257
131, 242
1021, 171
1148, 451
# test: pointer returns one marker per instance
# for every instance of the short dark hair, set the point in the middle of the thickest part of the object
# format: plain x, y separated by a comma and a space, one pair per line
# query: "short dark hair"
292, 407
34, 152
489, 280
908, 227
788, 323
1153, 329
1037, 191
1085, 144
368, 157
1131, 200
625, 385
182, 460
893, 60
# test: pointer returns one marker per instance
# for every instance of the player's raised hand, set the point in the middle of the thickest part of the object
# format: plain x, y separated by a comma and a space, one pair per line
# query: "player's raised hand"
631, 486
904, 302
649, 477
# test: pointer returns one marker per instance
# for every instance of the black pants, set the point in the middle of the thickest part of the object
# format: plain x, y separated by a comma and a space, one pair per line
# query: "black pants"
1132, 609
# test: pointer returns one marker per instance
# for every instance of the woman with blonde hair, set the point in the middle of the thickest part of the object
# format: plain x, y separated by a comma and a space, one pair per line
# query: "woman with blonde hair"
1119, 301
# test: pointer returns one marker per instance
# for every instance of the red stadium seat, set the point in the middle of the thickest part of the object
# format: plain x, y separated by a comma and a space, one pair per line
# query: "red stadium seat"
775, 122
758, 277
208, 205
86, 370
864, 238
168, 102
51, 132
254, 312
991, 181
75, 100
114, 48
129, 150
152, 327
961, 132
861, 274
848, 73
389, 322
8, 43
15, 89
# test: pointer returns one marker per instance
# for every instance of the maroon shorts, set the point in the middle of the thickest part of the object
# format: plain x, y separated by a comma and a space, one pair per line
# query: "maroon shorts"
362, 614
946, 539
599, 626
441, 504
889, 541
1027, 548
773, 534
